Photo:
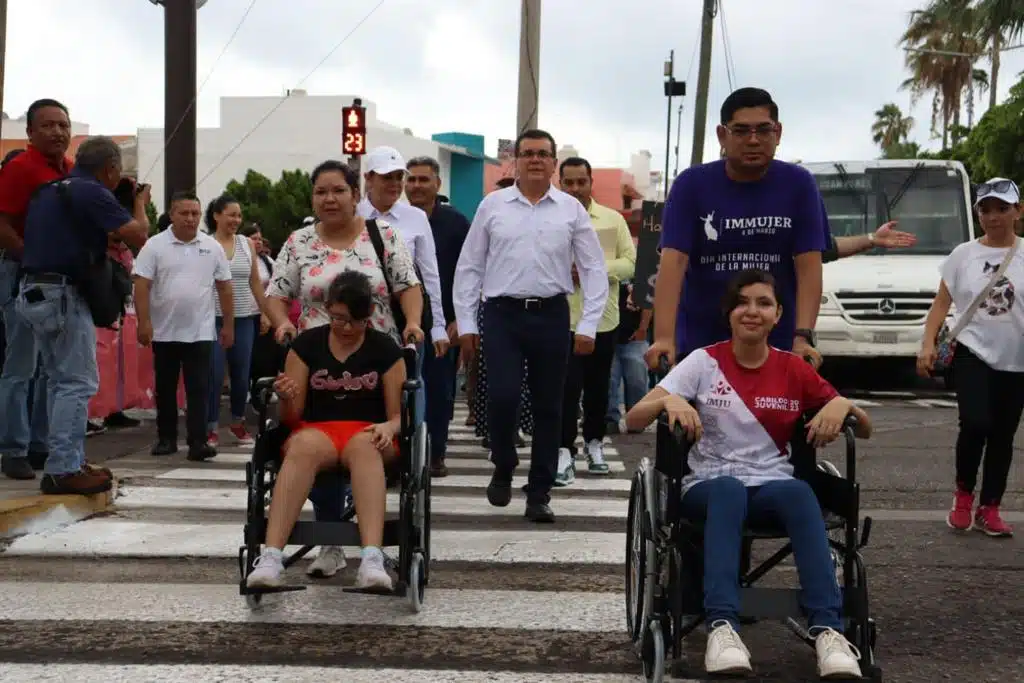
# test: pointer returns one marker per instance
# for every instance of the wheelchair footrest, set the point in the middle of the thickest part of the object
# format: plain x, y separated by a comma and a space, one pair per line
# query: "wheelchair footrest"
388, 592
262, 590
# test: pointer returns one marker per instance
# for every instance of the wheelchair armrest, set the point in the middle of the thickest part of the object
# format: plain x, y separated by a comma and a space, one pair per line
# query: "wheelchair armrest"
849, 432
262, 391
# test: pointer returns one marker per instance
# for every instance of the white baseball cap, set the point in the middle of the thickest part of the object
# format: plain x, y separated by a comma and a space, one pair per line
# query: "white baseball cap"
384, 160
998, 188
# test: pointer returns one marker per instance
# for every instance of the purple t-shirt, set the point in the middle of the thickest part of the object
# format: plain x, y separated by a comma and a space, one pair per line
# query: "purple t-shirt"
727, 226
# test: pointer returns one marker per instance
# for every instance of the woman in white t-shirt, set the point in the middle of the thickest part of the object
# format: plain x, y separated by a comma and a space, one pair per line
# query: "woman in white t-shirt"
740, 400
988, 363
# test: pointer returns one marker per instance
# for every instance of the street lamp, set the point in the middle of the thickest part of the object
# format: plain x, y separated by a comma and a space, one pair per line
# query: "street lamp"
673, 88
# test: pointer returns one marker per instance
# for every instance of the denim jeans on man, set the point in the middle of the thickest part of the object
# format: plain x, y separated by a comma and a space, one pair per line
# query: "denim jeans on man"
63, 328
630, 369
239, 360
725, 503
24, 425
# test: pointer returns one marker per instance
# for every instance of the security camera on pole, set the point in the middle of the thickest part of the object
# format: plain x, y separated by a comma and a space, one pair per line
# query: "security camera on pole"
353, 134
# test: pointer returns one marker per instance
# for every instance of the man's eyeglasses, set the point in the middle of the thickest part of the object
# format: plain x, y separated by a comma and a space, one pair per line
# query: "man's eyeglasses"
762, 131
536, 154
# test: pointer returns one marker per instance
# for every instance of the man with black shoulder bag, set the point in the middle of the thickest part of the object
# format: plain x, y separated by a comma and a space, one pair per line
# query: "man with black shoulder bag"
68, 287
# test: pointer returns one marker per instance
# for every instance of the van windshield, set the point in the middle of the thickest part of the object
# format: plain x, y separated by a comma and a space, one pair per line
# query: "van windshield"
928, 202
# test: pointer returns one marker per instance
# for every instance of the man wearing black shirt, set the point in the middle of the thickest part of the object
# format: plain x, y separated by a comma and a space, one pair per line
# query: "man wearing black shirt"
629, 369
449, 227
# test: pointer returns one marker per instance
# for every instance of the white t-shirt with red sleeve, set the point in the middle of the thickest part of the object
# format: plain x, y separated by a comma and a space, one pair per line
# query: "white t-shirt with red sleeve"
748, 415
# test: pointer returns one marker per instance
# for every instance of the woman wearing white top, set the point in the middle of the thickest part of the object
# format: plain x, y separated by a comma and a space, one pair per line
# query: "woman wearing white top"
223, 217
988, 363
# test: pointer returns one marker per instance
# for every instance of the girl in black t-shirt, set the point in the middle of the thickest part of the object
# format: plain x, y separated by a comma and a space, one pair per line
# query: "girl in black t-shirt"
341, 394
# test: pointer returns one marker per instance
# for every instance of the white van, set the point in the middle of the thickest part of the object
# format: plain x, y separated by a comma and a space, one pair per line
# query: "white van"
874, 304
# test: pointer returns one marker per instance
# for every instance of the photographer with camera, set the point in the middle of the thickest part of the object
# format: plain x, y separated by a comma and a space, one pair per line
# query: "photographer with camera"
68, 288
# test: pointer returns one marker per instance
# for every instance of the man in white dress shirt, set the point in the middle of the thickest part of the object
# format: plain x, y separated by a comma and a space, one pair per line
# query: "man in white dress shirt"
519, 256
385, 179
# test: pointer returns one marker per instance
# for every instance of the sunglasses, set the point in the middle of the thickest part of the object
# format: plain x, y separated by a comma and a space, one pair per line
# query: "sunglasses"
998, 187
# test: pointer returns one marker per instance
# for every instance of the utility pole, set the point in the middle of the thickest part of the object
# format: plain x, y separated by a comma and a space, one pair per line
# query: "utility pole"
529, 65
179, 96
3, 57
679, 135
673, 88
700, 110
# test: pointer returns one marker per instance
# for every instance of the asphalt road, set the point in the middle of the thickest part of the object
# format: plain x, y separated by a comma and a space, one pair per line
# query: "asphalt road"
148, 592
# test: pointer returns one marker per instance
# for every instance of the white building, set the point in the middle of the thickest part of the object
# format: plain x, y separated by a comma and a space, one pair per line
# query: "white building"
274, 134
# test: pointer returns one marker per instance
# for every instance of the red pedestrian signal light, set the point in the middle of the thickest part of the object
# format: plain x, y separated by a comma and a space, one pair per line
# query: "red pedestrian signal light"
353, 130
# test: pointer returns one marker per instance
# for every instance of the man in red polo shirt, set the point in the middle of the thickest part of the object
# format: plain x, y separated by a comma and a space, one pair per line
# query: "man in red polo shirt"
23, 440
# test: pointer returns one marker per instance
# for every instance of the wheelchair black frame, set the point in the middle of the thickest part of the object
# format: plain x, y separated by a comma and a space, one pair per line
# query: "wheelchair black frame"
670, 600
410, 532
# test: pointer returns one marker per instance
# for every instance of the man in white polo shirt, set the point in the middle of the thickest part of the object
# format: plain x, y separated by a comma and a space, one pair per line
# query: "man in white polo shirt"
176, 274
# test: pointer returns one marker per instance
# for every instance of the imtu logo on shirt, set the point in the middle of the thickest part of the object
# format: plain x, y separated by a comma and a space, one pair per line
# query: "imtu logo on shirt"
782, 403
321, 380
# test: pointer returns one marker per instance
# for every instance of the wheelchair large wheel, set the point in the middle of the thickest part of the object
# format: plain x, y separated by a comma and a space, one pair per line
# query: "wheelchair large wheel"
836, 535
637, 556
425, 525
417, 582
654, 652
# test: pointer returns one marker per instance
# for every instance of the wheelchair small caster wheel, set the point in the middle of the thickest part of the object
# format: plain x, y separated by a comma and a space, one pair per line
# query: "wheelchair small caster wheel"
654, 653
415, 586
253, 600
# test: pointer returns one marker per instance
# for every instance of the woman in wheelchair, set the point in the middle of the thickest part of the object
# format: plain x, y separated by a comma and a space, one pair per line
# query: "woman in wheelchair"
739, 402
340, 393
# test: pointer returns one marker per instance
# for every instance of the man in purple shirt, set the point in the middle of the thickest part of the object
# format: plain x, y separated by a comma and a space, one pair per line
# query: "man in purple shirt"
748, 210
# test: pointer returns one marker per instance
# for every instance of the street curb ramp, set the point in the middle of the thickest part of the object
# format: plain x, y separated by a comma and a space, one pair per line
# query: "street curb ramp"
39, 513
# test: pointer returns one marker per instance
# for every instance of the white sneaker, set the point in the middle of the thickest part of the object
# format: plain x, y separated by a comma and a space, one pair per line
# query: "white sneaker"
372, 574
595, 456
836, 656
725, 652
328, 562
566, 472
267, 570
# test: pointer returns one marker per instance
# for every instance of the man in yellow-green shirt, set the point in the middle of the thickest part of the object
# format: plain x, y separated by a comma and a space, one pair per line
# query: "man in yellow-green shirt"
590, 374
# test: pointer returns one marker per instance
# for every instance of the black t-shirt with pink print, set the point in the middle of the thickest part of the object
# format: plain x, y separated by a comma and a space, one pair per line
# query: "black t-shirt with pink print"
346, 391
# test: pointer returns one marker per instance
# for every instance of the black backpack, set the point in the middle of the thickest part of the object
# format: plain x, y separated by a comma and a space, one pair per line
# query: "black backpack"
427, 322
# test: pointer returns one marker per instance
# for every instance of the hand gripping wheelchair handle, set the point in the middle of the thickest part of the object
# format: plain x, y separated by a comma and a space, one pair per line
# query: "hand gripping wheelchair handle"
264, 386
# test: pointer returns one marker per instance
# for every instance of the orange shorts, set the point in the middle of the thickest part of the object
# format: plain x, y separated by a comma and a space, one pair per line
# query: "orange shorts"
340, 432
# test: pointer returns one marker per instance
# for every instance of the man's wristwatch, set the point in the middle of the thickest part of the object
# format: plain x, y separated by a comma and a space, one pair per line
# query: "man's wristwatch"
808, 336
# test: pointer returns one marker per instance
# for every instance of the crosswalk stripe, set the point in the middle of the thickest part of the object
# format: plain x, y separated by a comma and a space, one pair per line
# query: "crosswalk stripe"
111, 538
475, 448
478, 463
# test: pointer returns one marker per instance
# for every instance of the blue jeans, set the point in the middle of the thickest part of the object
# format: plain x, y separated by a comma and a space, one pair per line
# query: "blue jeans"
629, 369
25, 424
439, 377
725, 504
239, 359
66, 338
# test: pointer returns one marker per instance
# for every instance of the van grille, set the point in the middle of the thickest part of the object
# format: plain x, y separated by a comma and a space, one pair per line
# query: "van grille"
898, 308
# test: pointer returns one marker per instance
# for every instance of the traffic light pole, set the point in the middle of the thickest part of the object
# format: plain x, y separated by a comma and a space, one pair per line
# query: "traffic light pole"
179, 98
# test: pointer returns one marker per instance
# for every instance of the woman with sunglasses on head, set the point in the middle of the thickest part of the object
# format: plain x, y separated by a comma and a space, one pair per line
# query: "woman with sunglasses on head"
341, 393
980, 278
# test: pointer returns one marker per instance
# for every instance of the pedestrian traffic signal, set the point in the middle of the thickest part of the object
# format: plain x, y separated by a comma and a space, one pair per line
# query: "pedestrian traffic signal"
353, 129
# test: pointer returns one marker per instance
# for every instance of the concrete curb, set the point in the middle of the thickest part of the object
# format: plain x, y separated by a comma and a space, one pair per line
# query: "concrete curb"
39, 512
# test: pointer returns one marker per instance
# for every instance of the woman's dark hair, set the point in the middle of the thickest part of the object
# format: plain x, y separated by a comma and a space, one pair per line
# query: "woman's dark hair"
743, 279
249, 229
353, 289
351, 177
163, 222
217, 206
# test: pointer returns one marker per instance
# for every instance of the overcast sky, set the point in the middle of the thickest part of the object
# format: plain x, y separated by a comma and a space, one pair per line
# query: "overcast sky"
447, 65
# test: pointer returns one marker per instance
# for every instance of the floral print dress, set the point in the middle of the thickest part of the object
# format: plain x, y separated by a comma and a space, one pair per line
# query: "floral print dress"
306, 266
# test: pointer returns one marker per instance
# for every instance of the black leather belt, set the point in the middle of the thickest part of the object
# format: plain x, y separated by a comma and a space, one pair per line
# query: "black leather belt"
47, 279
529, 303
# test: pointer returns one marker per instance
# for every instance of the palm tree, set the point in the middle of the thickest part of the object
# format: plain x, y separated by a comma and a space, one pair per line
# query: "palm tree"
944, 27
977, 87
891, 128
998, 22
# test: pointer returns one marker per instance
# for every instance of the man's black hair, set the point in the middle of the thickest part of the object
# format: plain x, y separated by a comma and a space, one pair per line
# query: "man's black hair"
576, 161
182, 196
748, 98
535, 134
353, 289
507, 181
43, 104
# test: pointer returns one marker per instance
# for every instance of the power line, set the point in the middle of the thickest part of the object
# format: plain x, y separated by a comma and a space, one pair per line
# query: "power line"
184, 115
285, 97
949, 53
730, 65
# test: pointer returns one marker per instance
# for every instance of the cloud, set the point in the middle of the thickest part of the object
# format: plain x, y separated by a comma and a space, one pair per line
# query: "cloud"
453, 65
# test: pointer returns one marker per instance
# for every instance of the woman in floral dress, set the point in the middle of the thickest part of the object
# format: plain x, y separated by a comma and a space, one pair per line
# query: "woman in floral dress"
307, 264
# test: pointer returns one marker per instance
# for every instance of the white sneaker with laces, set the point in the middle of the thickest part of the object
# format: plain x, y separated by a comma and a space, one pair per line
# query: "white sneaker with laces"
836, 656
372, 574
595, 456
328, 562
267, 570
566, 472
725, 652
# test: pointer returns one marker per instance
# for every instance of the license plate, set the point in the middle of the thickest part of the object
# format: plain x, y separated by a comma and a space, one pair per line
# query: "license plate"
885, 338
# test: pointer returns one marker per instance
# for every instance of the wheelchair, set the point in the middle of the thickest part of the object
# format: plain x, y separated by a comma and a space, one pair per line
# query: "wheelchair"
410, 472
664, 551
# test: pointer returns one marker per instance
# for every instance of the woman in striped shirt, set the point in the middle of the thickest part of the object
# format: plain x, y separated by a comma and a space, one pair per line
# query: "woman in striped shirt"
223, 218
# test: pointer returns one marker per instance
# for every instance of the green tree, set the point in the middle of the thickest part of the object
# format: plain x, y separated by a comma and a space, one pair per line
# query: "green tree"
152, 216
278, 207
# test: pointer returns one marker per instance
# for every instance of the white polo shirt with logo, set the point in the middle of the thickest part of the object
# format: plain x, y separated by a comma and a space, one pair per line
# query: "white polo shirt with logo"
184, 278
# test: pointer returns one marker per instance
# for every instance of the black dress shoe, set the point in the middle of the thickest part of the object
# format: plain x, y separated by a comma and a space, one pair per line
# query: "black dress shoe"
17, 468
37, 459
201, 452
438, 469
539, 513
499, 491
164, 447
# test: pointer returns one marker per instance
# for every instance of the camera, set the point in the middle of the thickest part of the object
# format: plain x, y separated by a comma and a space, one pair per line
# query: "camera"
126, 192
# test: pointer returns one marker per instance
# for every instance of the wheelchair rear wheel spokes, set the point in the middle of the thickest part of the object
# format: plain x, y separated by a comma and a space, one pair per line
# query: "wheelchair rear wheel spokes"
636, 559
837, 535
653, 652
